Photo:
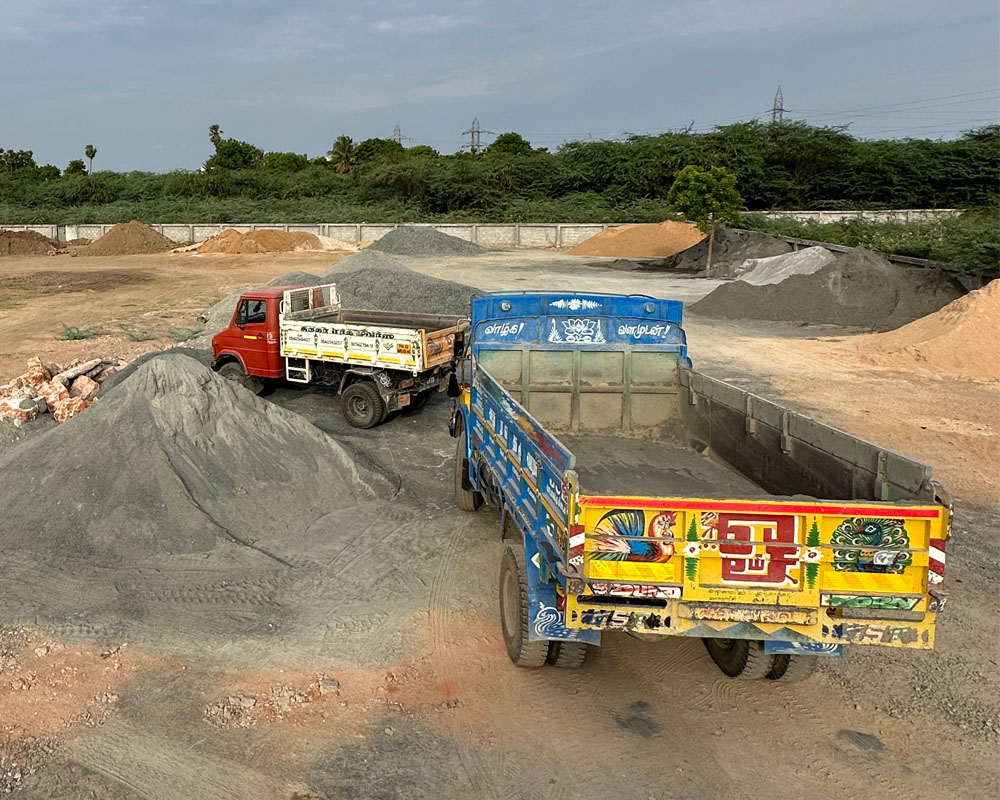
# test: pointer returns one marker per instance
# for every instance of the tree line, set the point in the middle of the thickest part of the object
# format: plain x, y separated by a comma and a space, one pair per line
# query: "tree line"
778, 165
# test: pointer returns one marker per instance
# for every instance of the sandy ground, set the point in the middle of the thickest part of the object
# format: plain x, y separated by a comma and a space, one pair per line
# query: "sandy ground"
374, 666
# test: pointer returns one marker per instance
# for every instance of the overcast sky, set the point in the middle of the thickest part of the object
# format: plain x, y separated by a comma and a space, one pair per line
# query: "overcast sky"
142, 81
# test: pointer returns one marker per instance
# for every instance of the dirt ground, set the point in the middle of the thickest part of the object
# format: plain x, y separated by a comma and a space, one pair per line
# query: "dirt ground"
373, 666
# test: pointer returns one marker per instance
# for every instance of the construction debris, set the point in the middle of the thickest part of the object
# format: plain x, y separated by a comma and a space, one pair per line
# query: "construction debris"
61, 391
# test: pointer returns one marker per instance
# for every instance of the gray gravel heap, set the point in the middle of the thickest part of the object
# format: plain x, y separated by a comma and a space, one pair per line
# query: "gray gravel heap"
423, 241
176, 460
859, 289
374, 280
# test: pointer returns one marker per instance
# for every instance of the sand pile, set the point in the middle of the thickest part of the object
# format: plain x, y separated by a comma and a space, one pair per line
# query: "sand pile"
373, 280
960, 340
641, 240
269, 240
25, 243
764, 271
129, 239
422, 241
859, 289
174, 460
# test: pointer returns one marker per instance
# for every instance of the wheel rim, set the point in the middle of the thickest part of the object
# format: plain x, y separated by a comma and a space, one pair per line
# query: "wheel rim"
511, 603
359, 406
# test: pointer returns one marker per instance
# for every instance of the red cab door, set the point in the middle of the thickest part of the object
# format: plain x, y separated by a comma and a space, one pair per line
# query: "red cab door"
259, 353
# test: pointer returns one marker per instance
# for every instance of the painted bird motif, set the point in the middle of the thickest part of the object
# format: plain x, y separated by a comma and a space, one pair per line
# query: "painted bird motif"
623, 522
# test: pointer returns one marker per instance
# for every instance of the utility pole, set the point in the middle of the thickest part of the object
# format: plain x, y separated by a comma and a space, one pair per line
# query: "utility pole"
475, 143
778, 108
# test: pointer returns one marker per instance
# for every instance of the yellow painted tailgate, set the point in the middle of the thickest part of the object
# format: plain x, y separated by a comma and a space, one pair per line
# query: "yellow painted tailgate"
813, 568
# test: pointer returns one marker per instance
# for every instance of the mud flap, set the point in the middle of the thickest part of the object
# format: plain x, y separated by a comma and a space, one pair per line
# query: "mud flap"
803, 649
545, 621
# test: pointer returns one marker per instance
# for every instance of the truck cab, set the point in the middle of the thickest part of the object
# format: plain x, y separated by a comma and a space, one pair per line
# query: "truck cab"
251, 343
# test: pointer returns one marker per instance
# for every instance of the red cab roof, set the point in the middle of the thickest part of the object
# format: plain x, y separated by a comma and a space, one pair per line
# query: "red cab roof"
267, 292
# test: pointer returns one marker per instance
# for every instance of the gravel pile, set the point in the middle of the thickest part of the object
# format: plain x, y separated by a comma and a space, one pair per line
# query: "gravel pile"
859, 289
732, 247
423, 241
177, 460
373, 280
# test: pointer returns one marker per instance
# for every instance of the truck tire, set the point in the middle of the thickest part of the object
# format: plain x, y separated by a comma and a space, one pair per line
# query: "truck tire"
514, 614
791, 668
362, 405
567, 655
467, 499
233, 371
739, 658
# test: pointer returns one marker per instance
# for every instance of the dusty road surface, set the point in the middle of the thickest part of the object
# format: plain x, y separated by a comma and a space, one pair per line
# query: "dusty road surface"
360, 656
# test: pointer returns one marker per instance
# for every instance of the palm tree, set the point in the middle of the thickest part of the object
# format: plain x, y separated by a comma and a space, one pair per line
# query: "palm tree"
90, 151
342, 154
214, 134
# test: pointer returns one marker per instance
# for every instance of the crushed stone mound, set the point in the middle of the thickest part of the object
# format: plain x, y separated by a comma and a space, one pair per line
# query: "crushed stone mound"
25, 243
218, 316
422, 241
859, 289
961, 340
732, 247
764, 271
129, 239
652, 240
176, 460
376, 281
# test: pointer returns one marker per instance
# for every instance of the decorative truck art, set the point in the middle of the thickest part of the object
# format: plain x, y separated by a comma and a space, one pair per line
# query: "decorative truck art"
379, 361
637, 495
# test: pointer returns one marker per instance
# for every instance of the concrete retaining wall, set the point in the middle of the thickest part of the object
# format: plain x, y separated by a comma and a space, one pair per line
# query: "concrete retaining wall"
557, 234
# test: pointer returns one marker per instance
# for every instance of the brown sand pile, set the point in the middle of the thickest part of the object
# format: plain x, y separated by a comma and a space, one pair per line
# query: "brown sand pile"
129, 239
641, 240
24, 243
264, 241
961, 340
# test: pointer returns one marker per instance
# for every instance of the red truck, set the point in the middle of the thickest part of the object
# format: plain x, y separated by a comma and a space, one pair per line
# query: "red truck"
379, 361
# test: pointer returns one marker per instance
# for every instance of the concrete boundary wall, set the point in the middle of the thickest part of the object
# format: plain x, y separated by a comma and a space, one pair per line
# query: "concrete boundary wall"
514, 234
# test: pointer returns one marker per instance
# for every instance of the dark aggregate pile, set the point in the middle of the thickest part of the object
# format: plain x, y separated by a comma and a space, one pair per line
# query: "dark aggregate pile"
374, 280
177, 460
860, 289
422, 241
732, 247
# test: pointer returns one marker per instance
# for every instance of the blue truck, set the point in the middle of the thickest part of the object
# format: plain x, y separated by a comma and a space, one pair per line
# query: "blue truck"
639, 495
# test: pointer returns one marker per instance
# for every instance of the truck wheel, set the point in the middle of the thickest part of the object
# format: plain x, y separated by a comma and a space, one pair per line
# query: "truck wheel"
567, 655
739, 658
514, 611
467, 499
362, 405
791, 668
233, 371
